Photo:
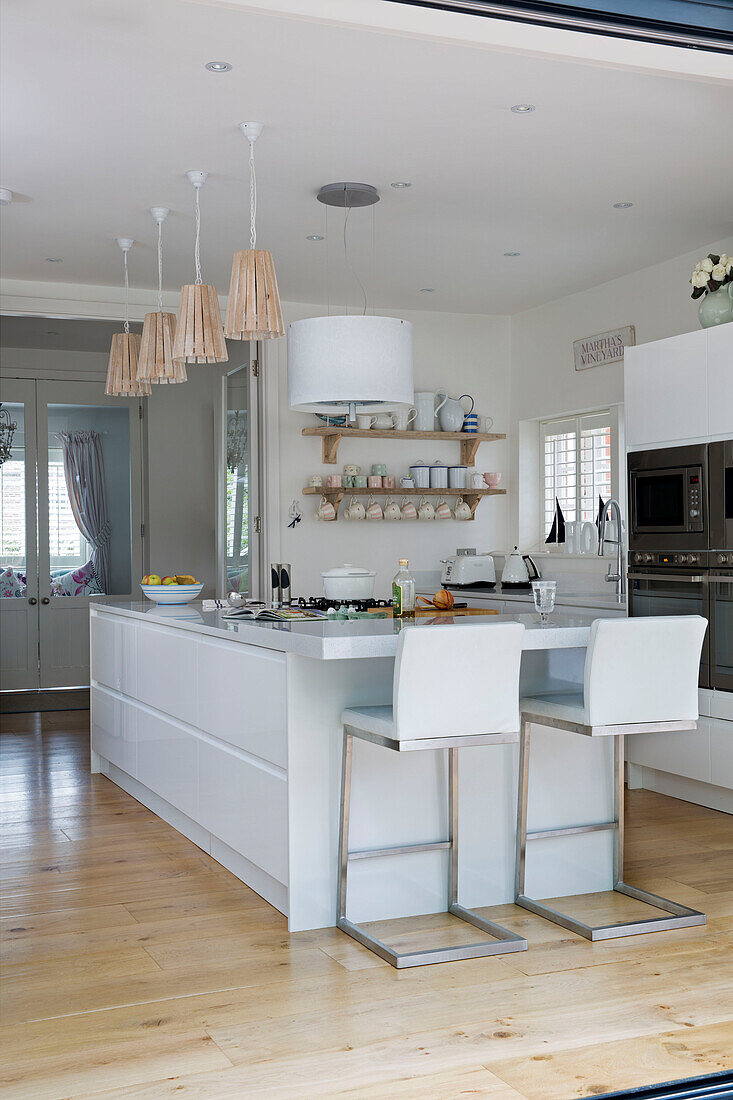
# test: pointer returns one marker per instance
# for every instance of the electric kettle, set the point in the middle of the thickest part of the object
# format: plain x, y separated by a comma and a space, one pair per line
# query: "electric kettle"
519, 570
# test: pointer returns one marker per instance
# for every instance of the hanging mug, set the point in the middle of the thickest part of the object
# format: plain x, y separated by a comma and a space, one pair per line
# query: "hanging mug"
392, 510
426, 510
325, 510
443, 511
463, 510
373, 509
409, 511
355, 510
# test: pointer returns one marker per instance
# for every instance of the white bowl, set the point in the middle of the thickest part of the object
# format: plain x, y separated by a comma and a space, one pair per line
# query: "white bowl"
172, 593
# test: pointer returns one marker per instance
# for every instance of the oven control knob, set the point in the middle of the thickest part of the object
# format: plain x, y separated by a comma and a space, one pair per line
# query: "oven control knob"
648, 557
681, 559
722, 559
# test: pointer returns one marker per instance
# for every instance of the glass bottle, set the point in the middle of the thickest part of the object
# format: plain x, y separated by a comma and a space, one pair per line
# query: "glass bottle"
403, 592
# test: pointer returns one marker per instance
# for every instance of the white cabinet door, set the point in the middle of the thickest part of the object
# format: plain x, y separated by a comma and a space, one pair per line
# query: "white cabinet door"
720, 379
113, 652
685, 754
114, 729
168, 760
166, 670
721, 752
665, 390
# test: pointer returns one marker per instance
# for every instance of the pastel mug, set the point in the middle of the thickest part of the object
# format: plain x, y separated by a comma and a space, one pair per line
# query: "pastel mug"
348, 481
379, 468
492, 479
325, 510
443, 511
392, 510
374, 481
350, 470
388, 481
360, 481
365, 421
409, 511
426, 510
463, 510
374, 510
356, 510
316, 481
333, 481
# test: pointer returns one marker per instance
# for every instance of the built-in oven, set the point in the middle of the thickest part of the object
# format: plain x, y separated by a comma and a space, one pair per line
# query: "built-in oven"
720, 464
673, 584
668, 499
720, 581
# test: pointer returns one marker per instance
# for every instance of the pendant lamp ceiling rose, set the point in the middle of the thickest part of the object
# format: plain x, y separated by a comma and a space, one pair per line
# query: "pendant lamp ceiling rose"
348, 195
251, 130
197, 177
125, 243
160, 213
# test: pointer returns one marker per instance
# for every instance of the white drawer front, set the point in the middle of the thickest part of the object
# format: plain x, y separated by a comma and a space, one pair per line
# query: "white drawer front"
168, 760
246, 807
113, 650
114, 730
166, 671
685, 754
241, 698
721, 752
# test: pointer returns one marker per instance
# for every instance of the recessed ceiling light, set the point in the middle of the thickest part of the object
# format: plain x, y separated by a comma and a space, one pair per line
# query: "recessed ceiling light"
523, 108
399, 184
512, 253
622, 205
54, 260
314, 237
52, 332
218, 66
427, 289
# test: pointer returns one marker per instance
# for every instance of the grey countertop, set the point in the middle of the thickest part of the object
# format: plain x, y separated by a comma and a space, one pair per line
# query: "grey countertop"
343, 640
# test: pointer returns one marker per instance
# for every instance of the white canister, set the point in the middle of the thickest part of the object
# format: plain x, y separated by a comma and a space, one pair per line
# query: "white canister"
457, 477
420, 474
438, 476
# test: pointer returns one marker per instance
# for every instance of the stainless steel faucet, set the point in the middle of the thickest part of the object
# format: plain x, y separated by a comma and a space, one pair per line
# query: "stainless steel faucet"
619, 576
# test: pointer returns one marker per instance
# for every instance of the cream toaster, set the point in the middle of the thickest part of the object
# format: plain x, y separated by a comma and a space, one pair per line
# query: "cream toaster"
469, 571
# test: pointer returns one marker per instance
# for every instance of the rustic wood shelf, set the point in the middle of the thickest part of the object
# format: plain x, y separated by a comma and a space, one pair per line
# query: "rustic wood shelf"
332, 435
472, 497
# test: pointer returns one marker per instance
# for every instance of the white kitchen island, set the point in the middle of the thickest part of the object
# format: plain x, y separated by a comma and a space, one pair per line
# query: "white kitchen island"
229, 730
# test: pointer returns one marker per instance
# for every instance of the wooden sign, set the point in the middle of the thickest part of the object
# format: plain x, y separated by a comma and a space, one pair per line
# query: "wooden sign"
605, 348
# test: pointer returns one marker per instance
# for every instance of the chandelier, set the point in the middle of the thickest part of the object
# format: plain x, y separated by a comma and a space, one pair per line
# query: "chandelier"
7, 431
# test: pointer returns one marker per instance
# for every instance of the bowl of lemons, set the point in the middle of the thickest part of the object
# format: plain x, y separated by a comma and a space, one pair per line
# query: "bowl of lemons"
179, 588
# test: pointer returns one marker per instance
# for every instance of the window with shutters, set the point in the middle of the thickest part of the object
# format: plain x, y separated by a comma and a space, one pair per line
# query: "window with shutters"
577, 462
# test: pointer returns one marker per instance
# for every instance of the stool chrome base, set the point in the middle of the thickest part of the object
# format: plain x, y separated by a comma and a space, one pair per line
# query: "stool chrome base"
680, 916
504, 940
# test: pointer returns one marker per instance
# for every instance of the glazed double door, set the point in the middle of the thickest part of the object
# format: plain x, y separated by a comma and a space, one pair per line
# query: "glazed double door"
45, 594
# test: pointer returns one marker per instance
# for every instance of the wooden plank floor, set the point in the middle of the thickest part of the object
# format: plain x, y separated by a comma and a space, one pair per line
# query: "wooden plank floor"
135, 967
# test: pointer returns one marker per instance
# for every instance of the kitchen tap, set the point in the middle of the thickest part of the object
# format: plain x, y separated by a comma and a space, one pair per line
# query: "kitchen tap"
619, 577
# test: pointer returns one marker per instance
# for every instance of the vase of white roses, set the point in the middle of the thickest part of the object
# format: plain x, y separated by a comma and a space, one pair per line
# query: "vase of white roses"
712, 280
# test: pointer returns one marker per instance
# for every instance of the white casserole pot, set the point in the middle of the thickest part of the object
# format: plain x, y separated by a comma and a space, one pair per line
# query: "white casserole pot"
348, 582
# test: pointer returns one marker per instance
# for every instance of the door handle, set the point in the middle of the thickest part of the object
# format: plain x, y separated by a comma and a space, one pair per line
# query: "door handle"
32, 600
45, 600
686, 577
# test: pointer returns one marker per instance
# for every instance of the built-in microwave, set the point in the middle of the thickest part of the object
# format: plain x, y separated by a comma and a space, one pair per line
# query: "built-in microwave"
668, 499
720, 457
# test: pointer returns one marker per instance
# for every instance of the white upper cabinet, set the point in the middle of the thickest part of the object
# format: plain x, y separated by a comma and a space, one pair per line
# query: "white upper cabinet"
720, 380
665, 390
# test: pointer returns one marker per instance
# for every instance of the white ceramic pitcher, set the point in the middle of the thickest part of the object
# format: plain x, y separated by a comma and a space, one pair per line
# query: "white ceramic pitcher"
452, 412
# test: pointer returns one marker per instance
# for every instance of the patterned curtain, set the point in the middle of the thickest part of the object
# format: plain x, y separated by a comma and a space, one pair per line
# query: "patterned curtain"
84, 472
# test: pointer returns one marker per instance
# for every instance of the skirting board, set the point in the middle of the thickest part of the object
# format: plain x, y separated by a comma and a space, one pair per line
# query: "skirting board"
21, 702
688, 790
273, 892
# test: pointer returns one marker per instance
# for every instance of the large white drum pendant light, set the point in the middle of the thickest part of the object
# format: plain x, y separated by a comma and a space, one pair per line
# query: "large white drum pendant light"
349, 360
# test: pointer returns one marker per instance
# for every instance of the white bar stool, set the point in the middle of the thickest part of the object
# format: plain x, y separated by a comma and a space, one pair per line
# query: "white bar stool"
640, 677
481, 664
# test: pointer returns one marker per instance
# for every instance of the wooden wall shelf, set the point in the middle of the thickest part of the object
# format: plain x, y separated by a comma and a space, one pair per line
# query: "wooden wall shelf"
472, 497
331, 436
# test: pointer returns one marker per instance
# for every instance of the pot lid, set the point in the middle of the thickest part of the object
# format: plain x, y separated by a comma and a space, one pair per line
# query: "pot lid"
420, 462
439, 463
349, 571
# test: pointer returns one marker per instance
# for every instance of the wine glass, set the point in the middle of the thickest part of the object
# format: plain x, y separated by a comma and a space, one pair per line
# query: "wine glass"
544, 593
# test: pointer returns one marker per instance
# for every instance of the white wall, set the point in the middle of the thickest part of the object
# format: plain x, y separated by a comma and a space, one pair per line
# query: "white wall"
464, 353
544, 381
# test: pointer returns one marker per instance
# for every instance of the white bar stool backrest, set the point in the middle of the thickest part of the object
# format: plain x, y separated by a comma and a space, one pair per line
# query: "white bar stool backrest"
643, 670
457, 680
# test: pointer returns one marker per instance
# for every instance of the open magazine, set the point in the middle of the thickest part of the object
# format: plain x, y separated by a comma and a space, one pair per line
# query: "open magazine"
272, 614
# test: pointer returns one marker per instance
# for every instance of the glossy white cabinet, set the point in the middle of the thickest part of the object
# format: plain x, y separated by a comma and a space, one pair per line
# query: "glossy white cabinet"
166, 670
720, 380
114, 730
686, 754
168, 760
665, 390
114, 653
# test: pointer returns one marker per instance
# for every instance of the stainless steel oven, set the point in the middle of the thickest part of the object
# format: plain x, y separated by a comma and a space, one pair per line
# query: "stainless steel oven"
721, 621
665, 584
720, 462
668, 499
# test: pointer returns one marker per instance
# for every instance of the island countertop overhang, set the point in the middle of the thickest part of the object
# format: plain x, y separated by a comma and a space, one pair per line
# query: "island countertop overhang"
355, 639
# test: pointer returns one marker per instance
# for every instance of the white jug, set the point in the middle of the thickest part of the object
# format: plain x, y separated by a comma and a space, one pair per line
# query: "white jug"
452, 413
426, 410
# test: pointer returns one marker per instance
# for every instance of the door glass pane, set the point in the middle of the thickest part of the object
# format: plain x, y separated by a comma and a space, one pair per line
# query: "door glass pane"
722, 658
13, 509
89, 505
238, 471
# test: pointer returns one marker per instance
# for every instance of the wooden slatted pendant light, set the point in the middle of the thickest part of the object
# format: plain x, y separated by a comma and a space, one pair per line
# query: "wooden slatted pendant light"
156, 363
122, 378
253, 308
199, 334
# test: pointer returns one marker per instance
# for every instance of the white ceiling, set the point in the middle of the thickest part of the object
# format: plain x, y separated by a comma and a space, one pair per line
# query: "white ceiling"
106, 109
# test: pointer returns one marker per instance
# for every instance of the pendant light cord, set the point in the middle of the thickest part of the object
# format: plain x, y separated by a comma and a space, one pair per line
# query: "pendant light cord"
351, 267
197, 247
127, 295
252, 196
160, 267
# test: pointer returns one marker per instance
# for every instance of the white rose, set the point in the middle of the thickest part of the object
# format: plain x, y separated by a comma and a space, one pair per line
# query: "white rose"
700, 278
706, 264
724, 260
718, 273
729, 266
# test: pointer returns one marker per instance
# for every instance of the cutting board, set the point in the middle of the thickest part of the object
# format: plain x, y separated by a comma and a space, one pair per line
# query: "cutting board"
434, 612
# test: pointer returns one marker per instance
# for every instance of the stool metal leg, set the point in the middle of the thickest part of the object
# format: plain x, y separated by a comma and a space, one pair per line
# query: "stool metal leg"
504, 940
680, 916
